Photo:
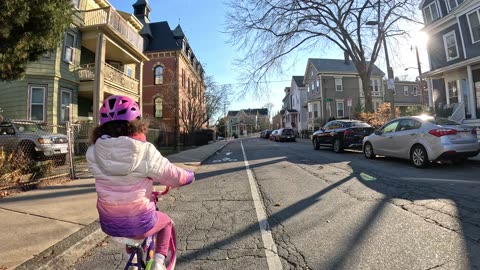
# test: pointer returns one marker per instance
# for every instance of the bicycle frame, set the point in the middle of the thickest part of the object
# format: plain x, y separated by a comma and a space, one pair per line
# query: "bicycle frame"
148, 247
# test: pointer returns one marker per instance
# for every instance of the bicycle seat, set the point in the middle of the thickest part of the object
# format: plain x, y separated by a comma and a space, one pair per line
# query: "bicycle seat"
127, 241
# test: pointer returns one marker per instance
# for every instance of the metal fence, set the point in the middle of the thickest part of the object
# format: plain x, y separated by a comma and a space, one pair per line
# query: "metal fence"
32, 154
35, 154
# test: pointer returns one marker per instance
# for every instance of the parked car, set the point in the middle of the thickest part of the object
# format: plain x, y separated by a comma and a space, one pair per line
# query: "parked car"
273, 135
33, 141
286, 134
265, 134
423, 139
341, 134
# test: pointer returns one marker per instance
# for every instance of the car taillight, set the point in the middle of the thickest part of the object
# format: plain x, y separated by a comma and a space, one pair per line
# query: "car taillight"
474, 131
347, 132
442, 132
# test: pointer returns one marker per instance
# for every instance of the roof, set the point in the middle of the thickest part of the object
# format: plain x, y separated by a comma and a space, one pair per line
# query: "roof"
298, 80
263, 111
163, 38
338, 66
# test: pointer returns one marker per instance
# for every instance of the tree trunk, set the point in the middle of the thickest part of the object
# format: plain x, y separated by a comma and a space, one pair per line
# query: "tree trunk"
367, 93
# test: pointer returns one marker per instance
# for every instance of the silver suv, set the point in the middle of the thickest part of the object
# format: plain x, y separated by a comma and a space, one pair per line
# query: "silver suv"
32, 139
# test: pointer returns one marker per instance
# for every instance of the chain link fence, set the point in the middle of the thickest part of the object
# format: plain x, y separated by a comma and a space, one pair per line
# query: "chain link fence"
35, 154
32, 154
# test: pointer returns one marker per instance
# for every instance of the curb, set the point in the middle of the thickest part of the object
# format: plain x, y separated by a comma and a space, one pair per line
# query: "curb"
215, 152
63, 254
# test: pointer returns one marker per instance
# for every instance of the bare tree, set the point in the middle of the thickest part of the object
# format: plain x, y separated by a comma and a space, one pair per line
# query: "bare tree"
201, 103
267, 31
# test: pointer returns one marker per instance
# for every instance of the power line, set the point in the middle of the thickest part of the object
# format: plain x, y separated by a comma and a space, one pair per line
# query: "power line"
263, 82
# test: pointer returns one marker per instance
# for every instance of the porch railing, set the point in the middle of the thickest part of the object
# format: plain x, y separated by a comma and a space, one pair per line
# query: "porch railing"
458, 114
108, 16
86, 72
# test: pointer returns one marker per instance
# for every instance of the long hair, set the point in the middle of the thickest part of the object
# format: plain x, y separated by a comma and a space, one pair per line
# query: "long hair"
117, 128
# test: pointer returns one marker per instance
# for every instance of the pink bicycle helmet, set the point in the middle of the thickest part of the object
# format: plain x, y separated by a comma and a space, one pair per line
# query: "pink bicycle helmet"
119, 108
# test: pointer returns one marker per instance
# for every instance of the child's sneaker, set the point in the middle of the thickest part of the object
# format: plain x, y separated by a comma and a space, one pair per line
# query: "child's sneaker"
158, 265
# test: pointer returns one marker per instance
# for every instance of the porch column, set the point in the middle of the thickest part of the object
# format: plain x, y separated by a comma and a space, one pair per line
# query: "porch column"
459, 92
471, 93
447, 92
139, 76
430, 92
99, 79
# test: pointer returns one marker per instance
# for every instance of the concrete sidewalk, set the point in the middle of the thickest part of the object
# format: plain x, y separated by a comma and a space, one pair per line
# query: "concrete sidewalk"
51, 228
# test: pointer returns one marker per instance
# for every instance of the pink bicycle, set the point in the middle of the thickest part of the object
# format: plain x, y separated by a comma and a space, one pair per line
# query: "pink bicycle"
142, 257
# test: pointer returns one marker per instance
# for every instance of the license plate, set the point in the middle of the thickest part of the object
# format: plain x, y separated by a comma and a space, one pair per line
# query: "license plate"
63, 150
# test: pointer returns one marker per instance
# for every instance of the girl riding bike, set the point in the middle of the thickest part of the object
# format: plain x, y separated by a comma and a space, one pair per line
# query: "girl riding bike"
125, 167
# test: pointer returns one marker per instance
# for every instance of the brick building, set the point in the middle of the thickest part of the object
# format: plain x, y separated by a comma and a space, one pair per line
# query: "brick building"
173, 78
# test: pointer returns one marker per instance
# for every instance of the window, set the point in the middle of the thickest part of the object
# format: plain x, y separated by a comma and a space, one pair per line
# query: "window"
37, 103
338, 85
158, 73
68, 48
415, 91
451, 48
453, 4
405, 90
318, 86
129, 72
315, 110
340, 109
390, 127
452, 89
409, 124
375, 87
313, 86
158, 107
474, 24
65, 105
183, 77
430, 12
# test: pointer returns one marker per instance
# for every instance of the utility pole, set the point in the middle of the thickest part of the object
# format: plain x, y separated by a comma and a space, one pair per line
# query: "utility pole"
390, 82
420, 76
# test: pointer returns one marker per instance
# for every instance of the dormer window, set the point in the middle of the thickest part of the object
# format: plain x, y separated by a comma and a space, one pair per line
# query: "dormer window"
452, 4
431, 13
474, 24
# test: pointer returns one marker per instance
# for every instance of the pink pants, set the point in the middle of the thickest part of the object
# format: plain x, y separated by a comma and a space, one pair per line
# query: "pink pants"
163, 228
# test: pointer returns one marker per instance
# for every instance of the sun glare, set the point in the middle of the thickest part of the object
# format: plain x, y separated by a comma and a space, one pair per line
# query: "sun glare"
420, 39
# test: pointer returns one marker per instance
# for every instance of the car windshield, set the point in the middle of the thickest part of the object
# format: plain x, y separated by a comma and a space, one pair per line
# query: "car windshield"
443, 121
30, 127
287, 131
356, 124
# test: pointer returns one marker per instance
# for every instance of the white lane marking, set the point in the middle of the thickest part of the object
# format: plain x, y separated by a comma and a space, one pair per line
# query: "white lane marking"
273, 260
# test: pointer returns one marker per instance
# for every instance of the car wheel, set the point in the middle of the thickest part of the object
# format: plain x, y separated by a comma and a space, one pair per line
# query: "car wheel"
316, 144
26, 151
368, 151
418, 156
62, 160
337, 146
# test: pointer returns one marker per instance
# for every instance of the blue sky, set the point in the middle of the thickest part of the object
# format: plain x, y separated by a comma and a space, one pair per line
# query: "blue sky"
203, 24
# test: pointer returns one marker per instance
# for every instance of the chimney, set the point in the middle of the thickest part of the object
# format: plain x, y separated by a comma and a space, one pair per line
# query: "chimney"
347, 58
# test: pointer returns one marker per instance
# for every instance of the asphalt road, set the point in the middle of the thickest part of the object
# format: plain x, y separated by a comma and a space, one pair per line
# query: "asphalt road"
325, 211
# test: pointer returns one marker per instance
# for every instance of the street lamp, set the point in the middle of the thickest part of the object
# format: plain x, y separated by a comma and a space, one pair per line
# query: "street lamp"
390, 82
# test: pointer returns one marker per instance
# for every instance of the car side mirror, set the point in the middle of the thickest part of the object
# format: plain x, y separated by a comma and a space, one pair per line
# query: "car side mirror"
10, 131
